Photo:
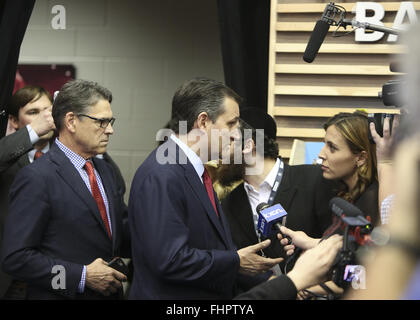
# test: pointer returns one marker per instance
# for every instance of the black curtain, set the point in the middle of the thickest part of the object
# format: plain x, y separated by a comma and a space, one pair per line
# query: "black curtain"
14, 18
244, 34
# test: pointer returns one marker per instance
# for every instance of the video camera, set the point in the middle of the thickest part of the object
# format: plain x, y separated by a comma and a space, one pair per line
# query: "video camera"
356, 232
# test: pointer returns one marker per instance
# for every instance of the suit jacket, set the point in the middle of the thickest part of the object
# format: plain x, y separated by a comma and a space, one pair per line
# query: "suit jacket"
303, 193
14, 150
54, 220
180, 248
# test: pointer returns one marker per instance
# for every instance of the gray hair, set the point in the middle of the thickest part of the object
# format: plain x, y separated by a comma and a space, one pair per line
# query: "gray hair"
77, 96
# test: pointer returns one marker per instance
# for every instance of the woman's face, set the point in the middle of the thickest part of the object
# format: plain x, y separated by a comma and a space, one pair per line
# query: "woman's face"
338, 161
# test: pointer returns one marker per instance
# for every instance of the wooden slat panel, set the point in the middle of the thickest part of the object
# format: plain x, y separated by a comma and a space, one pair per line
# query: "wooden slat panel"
323, 112
366, 48
345, 76
327, 91
333, 69
300, 132
285, 153
319, 7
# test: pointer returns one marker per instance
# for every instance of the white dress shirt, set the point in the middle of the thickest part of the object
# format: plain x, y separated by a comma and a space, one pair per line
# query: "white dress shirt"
191, 155
255, 197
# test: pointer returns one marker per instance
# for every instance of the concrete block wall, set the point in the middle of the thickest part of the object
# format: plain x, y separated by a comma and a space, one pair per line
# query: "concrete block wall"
142, 50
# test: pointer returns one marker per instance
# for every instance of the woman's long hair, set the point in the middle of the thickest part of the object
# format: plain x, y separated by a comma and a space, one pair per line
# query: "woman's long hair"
354, 127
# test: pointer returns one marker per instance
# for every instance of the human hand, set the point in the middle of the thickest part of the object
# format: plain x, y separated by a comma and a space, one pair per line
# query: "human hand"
252, 263
313, 265
43, 122
299, 239
102, 278
383, 144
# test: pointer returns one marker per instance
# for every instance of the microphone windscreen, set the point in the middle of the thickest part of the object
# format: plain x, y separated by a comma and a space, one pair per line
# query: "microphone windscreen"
317, 37
261, 206
340, 206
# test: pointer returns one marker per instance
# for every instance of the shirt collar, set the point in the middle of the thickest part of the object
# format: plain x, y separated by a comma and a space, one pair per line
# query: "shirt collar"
191, 155
31, 154
271, 177
77, 160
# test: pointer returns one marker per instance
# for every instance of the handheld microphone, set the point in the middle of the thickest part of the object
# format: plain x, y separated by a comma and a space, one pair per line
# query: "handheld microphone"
270, 219
317, 37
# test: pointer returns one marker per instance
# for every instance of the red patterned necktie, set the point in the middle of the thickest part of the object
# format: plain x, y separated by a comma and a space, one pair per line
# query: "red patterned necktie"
97, 195
38, 154
209, 187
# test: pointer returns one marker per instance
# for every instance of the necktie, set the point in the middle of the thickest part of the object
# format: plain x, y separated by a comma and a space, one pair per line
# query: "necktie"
97, 195
209, 187
38, 154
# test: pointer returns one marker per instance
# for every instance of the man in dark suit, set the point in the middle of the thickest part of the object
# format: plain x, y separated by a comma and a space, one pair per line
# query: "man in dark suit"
66, 218
300, 189
29, 112
181, 243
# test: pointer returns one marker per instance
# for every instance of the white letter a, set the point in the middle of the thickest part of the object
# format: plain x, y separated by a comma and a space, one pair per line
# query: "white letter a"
58, 21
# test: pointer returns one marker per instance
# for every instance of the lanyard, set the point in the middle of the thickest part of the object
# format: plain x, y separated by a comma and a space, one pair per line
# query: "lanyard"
276, 183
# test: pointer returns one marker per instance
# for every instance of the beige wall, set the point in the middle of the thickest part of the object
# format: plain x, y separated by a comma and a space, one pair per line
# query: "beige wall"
140, 49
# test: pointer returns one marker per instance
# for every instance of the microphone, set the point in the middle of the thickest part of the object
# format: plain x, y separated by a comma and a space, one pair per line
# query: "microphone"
317, 37
270, 219
348, 212
353, 217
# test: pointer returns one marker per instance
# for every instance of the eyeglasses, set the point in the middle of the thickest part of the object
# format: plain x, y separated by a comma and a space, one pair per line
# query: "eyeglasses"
103, 123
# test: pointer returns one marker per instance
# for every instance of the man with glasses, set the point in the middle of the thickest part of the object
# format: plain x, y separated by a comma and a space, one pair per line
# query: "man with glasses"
67, 219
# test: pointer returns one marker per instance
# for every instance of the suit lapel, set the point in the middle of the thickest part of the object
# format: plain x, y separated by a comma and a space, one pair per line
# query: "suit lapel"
23, 161
198, 187
244, 214
286, 191
72, 178
200, 191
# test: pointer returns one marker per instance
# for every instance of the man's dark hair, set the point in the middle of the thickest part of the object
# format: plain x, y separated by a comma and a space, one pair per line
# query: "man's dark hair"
196, 96
257, 118
77, 96
23, 96
271, 147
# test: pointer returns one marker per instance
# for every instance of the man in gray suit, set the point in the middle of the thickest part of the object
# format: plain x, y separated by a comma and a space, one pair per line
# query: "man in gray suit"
30, 115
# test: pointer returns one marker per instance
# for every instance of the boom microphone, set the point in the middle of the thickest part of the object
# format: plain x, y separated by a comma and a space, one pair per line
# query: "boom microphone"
317, 37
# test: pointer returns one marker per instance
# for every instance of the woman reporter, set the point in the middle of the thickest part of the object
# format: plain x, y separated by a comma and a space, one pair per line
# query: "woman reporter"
349, 158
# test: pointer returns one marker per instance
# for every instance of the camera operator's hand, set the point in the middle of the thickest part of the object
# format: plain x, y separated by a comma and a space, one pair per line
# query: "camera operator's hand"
251, 263
383, 144
384, 158
313, 265
299, 239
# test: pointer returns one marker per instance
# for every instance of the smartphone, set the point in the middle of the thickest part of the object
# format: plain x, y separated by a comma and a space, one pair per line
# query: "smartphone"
118, 264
